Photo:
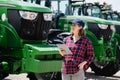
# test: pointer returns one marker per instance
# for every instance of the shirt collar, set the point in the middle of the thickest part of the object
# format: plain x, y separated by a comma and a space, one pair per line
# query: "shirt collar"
71, 37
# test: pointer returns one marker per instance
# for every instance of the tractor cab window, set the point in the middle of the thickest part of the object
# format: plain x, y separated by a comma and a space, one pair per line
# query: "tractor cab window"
57, 6
93, 11
106, 15
115, 16
76, 11
112, 16
109, 17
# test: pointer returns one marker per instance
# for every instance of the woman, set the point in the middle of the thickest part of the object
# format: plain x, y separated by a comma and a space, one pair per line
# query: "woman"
74, 65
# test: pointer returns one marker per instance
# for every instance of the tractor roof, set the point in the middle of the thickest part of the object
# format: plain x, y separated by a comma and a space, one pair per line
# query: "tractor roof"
12, 4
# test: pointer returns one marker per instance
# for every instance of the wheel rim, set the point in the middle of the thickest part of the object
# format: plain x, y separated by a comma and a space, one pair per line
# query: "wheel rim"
100, 65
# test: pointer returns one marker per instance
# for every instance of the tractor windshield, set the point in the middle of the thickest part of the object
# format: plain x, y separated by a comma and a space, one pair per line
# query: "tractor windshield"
93, 11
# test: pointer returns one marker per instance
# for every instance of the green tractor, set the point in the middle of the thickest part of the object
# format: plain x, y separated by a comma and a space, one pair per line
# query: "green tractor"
24, 28
103, 11
105, 37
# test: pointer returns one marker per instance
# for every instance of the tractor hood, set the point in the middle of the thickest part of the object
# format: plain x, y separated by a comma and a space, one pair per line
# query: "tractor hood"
11, 4
87, 19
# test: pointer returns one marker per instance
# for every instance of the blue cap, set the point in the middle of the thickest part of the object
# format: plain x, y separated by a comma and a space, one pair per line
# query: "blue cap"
77, 21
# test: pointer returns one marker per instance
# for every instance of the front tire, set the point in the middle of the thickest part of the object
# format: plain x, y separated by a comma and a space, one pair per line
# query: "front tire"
110, 68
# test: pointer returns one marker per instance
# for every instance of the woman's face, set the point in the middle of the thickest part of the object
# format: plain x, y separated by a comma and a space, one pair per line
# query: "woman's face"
75, 28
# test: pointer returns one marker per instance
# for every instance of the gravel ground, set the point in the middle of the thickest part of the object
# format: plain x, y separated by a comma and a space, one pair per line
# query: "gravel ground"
90, 76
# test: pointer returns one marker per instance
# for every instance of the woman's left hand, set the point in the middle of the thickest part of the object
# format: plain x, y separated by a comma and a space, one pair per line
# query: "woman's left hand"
81, 65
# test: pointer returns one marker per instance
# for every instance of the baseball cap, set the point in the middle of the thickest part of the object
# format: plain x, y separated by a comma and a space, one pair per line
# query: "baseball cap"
77, 21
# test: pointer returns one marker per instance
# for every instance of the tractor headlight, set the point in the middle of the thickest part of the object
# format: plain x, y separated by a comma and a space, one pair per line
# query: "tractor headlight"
28, 15
47, 16
103, 26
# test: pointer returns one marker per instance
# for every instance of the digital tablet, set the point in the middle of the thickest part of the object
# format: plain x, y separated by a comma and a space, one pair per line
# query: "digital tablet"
64, 47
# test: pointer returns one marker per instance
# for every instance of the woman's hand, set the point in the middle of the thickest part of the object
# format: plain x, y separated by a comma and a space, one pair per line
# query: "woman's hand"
62, 52
81, 65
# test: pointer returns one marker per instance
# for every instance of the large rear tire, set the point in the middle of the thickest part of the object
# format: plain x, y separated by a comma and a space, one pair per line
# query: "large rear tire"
45, 76
109, 69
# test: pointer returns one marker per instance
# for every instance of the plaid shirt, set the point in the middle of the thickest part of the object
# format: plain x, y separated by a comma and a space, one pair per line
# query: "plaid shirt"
82, 50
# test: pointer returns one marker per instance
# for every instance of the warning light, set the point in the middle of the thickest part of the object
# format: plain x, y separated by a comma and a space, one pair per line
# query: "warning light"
104, 3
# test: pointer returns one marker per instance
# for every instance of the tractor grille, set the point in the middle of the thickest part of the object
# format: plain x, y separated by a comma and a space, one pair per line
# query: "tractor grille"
105, 33
30, 30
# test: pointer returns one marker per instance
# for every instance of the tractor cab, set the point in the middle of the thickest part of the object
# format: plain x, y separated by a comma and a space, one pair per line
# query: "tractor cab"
87, 9
108, 13
111, 15
103, 11
90, 9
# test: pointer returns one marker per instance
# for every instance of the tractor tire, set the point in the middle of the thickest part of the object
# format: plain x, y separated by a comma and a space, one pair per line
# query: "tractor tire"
108, 70
118, 56
45, 76
3, 75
